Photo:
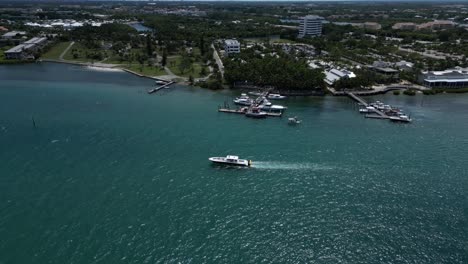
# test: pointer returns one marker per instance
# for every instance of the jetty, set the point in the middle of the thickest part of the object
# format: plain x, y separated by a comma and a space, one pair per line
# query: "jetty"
160, 87
377, 113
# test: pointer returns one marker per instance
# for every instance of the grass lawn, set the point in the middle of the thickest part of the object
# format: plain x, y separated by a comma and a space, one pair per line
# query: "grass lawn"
55, 51
146, 70
172, 64
81, 50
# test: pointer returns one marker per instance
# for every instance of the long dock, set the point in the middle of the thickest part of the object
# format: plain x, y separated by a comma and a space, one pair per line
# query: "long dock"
242, 112
381, 114
159, 88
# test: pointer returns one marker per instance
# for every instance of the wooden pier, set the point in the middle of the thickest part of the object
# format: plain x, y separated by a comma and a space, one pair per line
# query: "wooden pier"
159, 88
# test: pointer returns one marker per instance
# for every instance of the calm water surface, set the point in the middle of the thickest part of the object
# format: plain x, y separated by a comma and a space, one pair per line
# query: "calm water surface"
113, 175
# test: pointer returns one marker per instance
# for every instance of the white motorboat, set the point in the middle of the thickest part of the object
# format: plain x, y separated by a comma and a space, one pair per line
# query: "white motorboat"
276, 97
159, 82
244, 99
272, 107
294, 121
231, 160
369, 109
401, 118
256, 113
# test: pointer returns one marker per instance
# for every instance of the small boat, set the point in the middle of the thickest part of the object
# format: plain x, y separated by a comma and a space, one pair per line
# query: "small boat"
255, 93
256, 113
231, 160
159, 82
244, 99
401, 118
276, 97
294, 121
369, 109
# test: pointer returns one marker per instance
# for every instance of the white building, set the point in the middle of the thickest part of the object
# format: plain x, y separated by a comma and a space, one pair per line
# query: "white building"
334, 75
14, 34
310, 26
452, 78
231, 46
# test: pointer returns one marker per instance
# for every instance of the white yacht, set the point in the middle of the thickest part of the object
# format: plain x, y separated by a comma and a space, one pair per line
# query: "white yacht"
276, 97
244, 99
231, 160
256, 113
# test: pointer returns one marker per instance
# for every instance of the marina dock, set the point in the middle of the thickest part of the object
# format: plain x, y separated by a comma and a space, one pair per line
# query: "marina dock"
377, 114
242, 112
160, 87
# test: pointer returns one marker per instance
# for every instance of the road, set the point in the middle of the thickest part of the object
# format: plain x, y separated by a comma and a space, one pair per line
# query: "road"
218, 60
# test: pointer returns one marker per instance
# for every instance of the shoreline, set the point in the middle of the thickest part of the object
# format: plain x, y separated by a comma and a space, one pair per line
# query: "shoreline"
104, 66
328, 91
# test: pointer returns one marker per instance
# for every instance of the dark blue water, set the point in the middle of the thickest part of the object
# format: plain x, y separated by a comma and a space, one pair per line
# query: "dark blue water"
113, 175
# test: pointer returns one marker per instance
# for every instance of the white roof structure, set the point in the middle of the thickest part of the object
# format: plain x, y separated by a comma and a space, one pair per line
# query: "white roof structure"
334, 75
451, 75
231, 42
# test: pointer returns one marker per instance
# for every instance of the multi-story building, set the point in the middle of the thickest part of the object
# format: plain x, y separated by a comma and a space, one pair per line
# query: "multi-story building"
231, 46
452, 78
310, 26
405, 26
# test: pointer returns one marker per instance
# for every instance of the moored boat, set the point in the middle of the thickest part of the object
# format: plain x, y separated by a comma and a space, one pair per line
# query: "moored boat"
256, 113
231, 160
276, 97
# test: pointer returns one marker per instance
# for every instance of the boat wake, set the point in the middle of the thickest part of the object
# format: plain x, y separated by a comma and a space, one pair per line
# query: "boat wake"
274, 165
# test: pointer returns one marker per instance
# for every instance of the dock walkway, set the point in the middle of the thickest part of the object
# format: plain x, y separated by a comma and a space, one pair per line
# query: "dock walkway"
160, 87
381, 114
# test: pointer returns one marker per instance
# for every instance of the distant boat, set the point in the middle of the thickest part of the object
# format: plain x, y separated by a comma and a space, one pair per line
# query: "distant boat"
276, 97
294, 121
231, 160
159, 82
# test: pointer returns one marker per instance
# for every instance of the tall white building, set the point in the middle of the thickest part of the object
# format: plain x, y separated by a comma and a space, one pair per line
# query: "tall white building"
231, 46
310, 26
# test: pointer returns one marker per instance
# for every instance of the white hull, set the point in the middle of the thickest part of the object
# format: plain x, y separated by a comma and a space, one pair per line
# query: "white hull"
233, 162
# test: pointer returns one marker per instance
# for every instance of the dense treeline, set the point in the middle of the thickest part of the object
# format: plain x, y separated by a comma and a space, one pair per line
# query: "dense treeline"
281, 73
109, 32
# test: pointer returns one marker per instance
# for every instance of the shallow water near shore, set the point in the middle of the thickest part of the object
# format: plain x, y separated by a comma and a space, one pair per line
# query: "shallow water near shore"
110, 174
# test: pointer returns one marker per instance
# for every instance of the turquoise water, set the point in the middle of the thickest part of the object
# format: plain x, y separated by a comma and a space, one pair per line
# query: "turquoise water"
113, 175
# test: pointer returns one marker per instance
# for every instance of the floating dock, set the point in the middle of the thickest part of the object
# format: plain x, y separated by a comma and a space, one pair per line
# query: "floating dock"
159, 88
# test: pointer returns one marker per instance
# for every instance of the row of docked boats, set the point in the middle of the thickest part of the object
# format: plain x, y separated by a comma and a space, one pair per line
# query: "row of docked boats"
261, 103
392, 113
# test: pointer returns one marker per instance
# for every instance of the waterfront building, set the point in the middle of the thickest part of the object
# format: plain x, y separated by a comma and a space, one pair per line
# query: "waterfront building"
13, 35
231, 46
334, 75
404, 26
26, 49
310, 26
451, 78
